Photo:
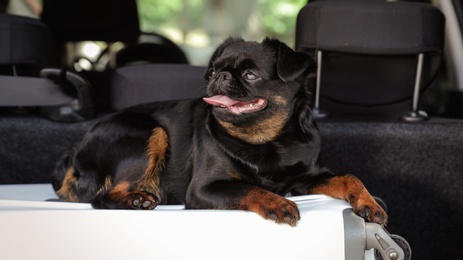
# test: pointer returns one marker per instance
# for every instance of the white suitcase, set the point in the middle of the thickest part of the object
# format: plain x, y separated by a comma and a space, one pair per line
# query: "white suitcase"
32, 228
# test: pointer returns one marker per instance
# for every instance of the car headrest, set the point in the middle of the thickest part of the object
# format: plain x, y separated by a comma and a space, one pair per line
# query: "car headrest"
370, 48
26, 41
136, 84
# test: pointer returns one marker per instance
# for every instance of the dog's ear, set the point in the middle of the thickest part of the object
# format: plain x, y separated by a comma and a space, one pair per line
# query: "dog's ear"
299, 66
290, 64
306, 122
229, 41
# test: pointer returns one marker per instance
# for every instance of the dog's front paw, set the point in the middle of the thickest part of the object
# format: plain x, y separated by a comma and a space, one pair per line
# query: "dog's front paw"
281, 211
271, 206
365, 206
351, 189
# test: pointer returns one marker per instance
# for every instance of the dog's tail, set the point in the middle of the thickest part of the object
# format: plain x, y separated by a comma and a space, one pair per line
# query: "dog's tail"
60, 170
64, 178
63, 167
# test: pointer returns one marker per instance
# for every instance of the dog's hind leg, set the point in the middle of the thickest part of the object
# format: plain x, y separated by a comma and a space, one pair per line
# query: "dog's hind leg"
156, 150
143, 192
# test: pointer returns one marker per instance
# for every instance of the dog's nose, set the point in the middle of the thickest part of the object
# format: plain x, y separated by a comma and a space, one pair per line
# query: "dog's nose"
224, 75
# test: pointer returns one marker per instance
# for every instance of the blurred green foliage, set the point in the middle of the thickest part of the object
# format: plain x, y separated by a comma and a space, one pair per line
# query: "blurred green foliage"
158, 13
279, 16
276, 17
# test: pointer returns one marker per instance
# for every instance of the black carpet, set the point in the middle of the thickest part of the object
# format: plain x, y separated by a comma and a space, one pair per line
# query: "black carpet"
416, 168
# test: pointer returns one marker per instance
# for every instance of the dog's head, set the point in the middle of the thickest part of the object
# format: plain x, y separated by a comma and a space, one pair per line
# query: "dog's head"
257, 88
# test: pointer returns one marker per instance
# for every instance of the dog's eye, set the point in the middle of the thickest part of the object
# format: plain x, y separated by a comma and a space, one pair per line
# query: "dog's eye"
249, 75
211, 73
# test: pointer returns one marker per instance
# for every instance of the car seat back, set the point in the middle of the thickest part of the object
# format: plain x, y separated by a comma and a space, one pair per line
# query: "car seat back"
82, 20
373, 54
108, 21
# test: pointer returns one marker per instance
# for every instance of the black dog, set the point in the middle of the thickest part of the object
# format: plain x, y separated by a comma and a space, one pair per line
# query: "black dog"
251, 141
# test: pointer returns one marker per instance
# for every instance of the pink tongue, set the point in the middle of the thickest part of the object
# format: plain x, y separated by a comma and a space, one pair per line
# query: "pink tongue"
220, 100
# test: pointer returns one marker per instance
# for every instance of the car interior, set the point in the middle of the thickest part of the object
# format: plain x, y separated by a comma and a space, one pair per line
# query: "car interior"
388, 96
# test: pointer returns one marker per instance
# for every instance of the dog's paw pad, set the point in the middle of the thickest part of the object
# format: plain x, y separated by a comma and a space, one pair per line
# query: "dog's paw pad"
142, 200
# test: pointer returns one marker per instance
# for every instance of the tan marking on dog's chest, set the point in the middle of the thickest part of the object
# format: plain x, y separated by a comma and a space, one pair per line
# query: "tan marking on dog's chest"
265, 131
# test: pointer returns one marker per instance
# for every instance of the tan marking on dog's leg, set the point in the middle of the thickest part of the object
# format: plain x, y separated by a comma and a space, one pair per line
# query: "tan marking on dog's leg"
106, 185
66, 191
119, 191
156, 151
352, 190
